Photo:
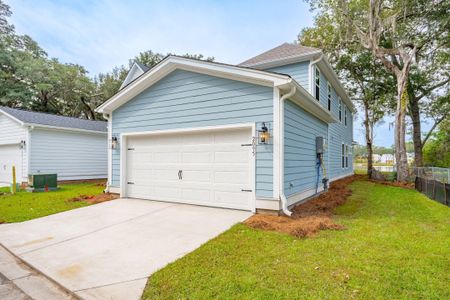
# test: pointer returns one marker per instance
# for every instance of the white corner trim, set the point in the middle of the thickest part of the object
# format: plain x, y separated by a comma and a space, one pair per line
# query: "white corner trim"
114, 190
172, 63
276, 143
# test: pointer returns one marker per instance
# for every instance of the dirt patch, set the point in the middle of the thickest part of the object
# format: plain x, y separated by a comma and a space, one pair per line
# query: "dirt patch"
310, 217
95, 199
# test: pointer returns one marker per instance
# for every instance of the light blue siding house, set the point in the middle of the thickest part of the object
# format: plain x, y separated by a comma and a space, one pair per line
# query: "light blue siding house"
258, 136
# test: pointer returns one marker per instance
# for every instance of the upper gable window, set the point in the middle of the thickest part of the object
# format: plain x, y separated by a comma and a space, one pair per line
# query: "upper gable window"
317, 83
340, 110
329, 97
345, 116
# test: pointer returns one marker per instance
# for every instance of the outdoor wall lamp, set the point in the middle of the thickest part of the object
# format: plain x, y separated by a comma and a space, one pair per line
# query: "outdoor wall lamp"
114, 142
263, 134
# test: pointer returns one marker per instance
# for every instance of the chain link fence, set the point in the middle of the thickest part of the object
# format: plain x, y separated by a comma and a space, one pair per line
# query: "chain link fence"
434, 183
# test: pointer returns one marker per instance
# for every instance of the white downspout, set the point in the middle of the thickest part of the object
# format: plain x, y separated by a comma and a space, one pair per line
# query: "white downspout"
312, 74
283, 198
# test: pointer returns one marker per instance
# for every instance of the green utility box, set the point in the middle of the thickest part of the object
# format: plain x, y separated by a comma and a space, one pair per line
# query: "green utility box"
42, 182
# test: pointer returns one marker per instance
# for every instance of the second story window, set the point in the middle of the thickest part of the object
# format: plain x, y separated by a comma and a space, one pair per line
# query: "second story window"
329, 97
345, 116
340, 110
317, 83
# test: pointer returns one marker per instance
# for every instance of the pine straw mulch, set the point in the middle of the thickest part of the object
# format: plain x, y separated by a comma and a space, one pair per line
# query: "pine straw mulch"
95, 199
310, 217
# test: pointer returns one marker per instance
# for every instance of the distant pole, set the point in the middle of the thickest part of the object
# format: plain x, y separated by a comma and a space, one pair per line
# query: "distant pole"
14, 188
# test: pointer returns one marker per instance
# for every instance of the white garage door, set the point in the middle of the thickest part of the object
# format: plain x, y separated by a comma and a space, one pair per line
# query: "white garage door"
206, 168
10, 155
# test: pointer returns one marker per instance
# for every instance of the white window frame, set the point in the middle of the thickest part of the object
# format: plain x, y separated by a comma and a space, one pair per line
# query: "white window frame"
317, 83
329, 90
346, 156
340, 110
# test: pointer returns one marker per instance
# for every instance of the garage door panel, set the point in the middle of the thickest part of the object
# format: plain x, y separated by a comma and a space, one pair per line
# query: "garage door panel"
197, 176
197, 157
215, 168
231, 157
231, 177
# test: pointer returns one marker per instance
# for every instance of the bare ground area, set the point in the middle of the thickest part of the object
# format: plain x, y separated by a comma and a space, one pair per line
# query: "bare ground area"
96, 198
310, 217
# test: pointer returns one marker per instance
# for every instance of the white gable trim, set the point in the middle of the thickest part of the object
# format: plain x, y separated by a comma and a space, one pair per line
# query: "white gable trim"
172, 63
135, 72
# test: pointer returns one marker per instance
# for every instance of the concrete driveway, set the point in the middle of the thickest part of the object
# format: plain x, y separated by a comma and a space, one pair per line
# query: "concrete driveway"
108, 250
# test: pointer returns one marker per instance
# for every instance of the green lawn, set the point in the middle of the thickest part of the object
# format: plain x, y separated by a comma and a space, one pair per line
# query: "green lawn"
26, 206
396, 246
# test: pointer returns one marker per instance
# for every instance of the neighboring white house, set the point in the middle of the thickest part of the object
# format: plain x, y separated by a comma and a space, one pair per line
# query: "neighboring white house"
387, 159
376, 158
47, 144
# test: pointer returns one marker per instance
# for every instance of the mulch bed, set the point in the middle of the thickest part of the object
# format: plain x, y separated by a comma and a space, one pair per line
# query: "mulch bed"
95, 199
310, 217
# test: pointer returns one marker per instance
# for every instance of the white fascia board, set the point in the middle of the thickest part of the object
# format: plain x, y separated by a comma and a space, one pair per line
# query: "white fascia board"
172, 63
331, 75
11, 117
284, 61
32, 125
306, 101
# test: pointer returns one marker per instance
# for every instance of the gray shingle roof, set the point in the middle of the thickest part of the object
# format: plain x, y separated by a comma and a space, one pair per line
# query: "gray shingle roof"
30, 117
283, 51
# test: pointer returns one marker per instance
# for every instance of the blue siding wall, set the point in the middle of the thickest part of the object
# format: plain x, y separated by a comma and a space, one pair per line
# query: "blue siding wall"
301, 129
186, 99
298, 71
338, 133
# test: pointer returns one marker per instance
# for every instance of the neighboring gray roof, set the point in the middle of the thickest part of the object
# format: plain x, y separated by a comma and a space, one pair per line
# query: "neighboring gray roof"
38, 118
283, 51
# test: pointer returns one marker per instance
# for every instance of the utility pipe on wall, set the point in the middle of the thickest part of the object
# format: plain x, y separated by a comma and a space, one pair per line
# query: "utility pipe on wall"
283, 198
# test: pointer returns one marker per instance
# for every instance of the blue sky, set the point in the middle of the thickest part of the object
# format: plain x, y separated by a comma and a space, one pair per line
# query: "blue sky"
102, 34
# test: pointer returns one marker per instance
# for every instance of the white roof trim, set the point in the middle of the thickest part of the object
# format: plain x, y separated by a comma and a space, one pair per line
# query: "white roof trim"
306, 101
63, 128
172, 63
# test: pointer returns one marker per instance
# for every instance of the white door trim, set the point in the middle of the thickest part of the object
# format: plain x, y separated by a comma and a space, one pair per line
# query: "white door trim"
124, 142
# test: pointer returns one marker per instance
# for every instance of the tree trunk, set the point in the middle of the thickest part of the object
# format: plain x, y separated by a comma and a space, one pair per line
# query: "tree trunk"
417, 136
368, 141
401, 160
